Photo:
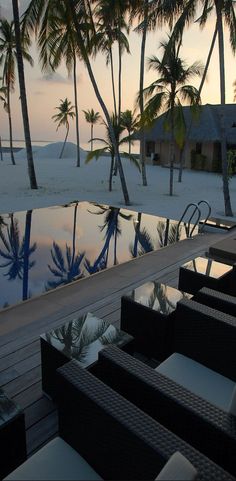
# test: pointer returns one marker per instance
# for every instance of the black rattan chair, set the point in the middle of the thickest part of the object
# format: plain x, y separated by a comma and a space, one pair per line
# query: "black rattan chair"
118, 439
217, 300
208, 428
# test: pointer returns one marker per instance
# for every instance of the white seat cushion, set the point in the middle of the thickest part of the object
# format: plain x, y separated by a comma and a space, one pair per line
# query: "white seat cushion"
178, 468
200, 380
55, 461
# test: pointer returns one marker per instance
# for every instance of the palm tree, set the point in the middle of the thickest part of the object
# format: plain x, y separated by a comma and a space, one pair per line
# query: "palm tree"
225, 10
109, 147
9, 51
130, 123
60, 43
108, 33
66, 112
112, 229
43, 11
68, 269
23, 98
92, 118
16, 253
171, 90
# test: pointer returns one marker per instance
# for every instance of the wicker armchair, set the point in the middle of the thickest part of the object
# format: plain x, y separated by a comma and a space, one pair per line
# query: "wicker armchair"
118, 439
217, 300
206, 427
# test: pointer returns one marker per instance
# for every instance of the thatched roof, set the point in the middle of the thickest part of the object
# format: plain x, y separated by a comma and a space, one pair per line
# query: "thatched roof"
205, 129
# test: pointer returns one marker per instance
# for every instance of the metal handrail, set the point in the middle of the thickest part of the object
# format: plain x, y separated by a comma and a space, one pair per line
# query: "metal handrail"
208, 215
189, 234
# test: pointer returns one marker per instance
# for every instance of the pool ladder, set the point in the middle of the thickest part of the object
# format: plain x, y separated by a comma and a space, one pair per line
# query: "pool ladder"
189, 233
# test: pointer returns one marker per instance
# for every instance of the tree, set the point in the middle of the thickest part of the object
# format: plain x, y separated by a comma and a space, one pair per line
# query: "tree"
66, 112
109, 147
171, 90
225, 10
130, 123
58, 44
92, 118
21, 76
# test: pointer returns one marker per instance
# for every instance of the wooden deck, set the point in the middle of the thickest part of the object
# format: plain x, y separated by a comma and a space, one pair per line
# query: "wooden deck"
21, 325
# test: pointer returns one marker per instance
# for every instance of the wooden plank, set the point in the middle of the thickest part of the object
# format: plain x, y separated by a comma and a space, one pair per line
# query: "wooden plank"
18, 355
38, 410
22, 382
28, 396
41, 432
20, 368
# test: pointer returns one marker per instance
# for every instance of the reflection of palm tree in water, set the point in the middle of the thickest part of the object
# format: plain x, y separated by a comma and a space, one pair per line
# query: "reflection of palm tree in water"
159, 294
66, 269
17, 253
78, 335
112, 230
144, 243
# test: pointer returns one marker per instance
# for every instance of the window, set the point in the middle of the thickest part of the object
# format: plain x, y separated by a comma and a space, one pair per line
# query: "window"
198, 148
150, 148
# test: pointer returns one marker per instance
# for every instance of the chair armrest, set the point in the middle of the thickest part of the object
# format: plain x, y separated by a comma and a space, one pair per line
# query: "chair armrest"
217, 300
118, 439
192, 418
205, 335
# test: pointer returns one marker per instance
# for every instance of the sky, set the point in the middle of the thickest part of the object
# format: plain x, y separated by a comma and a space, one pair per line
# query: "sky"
45, 91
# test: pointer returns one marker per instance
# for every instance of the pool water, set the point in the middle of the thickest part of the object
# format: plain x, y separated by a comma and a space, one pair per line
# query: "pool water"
42, 249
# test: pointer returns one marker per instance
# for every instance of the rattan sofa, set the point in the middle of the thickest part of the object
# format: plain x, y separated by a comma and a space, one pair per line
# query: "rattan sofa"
217, 300
208, 428
118, 439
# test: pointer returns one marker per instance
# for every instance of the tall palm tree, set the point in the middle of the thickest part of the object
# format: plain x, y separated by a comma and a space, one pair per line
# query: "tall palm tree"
8, 56
66, 112
23, 98
170, 90
109, 147
130, 123
60, 44
92, 118
43, 10
224, 10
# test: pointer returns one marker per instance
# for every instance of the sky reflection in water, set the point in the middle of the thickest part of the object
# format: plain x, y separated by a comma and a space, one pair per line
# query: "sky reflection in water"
44, 248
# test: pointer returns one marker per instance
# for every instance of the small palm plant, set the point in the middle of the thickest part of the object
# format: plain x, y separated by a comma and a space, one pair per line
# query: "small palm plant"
92, 118
66, 112
109, 147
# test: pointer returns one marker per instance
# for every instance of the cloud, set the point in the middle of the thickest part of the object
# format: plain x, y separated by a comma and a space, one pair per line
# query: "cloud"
55, 78
6, 8
39, 92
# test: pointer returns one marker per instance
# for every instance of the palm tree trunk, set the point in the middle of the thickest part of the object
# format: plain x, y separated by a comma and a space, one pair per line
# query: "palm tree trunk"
199, 95
24, 108
120, 80
228, 209
113, 82
74, 233
141, 84
62, 150
10, 124
1, 148
111, 171
100, 100
181, 162
172, 144
91, 137
137, 231
26, 254
76, 113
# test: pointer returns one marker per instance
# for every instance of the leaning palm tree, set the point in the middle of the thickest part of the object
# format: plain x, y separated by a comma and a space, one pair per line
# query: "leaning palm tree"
92, 118
8, 55
170, 90
60, 44
66, 112
20, 44
225, 11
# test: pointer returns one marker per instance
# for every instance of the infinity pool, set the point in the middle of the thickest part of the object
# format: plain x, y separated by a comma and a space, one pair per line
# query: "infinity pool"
42, 249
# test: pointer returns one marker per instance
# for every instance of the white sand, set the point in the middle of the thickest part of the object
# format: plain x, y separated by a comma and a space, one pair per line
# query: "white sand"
60, 182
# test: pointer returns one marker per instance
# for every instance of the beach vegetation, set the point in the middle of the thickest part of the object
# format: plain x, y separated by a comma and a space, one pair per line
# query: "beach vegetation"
63, 117
168, 94
92, 118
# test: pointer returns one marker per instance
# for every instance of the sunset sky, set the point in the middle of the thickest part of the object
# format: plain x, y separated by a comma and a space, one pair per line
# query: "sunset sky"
44, 92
